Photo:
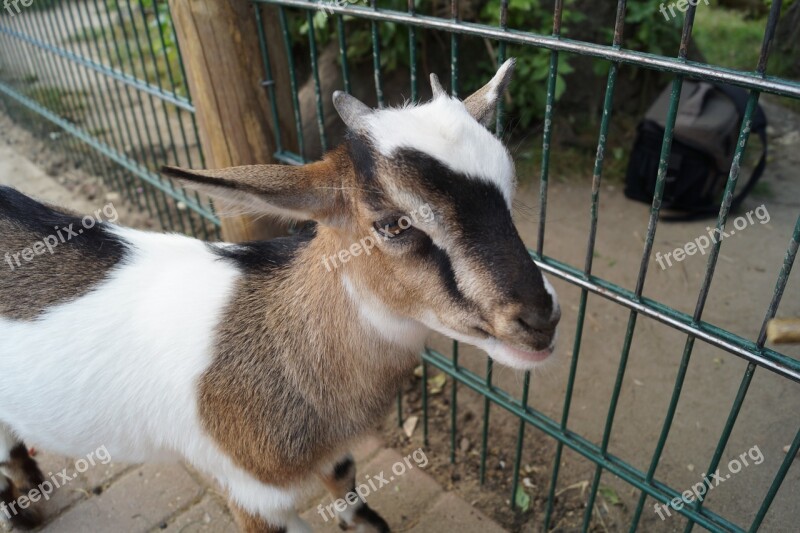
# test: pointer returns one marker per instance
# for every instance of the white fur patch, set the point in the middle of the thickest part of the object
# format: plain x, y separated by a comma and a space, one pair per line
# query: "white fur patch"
444, 129
552, 292
396, 329
119, 366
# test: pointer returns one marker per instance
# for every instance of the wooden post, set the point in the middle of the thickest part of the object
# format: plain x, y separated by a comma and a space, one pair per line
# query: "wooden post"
219, 43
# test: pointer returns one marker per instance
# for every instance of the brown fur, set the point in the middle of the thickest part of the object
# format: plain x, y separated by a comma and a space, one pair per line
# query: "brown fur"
47, 279
296, 378
282, 403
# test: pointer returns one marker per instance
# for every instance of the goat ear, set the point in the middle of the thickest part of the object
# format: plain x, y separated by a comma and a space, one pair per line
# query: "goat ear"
309, 192
483, 102
351, 109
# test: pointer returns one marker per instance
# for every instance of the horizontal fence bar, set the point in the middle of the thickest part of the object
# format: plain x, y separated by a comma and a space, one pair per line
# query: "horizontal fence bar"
691, 69
128, 164
734, 344
613, 464
127, 79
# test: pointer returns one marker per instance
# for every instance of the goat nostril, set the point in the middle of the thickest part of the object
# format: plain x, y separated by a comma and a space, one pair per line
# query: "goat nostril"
535, 322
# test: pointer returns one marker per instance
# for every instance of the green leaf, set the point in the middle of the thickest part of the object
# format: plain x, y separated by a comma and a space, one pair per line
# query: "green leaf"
522, 500
610, 495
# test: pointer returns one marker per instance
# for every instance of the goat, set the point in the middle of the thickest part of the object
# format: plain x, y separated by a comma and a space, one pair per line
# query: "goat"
260, 364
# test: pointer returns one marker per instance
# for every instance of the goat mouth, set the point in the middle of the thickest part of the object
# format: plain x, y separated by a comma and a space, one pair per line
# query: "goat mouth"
516, 356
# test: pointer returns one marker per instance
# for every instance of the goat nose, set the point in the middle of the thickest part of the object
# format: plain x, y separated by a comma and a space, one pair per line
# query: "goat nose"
535, 320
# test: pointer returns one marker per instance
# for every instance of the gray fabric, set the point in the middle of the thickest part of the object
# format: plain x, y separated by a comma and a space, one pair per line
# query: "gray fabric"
707, 120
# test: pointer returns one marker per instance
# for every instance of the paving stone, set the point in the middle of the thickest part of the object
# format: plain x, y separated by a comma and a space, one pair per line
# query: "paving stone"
401, 502
210, 515
367, 448
139, 501
451, 513
82, 485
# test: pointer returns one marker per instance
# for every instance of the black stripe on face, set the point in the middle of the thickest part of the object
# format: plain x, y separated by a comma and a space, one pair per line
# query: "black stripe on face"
446, 273
482, 224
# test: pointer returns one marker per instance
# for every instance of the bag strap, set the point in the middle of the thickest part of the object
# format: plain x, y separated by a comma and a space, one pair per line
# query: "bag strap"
758, 125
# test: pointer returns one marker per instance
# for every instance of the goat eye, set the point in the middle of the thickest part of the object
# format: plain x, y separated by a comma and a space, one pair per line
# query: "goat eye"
390, 228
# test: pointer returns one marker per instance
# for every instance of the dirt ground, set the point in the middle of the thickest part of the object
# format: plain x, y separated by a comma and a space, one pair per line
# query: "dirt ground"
741, 290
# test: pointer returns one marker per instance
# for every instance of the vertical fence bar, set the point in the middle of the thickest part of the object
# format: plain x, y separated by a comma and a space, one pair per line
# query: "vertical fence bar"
343, 52
312, 47
269, 82
376, 57
501, 58
412, 54
498, 128
776, 483
595, 199
453, 405
298, 120
526, 384
425, 417
454, 50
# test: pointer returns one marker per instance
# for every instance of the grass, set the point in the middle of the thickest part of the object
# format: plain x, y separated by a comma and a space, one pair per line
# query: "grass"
727, 38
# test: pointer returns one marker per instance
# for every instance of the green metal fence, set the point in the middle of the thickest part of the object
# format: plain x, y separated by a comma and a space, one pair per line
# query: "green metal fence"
109, 76
754, 352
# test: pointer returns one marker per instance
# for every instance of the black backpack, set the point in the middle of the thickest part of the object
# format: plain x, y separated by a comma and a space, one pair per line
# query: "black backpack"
705, 135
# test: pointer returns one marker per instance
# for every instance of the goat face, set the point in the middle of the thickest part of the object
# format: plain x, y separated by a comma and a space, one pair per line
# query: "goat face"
426, 191
437, 188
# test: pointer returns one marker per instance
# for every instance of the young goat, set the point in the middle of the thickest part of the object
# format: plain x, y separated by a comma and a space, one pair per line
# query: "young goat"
262, 363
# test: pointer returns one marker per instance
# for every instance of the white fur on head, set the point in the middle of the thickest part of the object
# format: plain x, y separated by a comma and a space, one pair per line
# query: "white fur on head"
444, 129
